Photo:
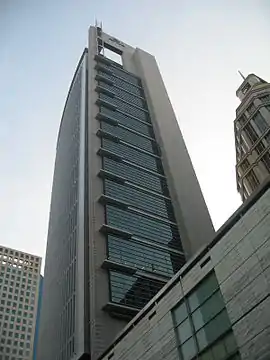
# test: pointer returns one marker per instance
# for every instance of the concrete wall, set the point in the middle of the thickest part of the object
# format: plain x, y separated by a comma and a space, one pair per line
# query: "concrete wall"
191, 213
241, 260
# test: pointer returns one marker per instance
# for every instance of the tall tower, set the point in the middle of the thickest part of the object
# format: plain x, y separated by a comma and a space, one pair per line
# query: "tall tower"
252, 134
126, 209
19, 298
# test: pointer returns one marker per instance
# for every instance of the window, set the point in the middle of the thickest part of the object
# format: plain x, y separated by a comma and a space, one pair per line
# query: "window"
245, 165
251, 108
202, 325
265, 99
245, 88
252, 179
260, 122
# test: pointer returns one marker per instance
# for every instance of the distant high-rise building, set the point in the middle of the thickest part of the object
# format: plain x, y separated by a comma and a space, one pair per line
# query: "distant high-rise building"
126, 209
19, 294
38, 317
252, 134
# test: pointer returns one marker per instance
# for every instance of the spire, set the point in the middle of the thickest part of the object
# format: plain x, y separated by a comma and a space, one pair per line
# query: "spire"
242, 76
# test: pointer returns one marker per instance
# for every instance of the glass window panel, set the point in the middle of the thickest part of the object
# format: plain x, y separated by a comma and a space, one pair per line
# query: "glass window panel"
121, 83
213, 330
180, 313
125, 107
127, 121
219, 351
136, 176
143, 227
130, 252
188, 349
208, 310
203, 291
128, 136
134, 291
123, 94
133, 155
184, 330
260, 122
141, 200
121, 73
236, 357
230, 343
207, 355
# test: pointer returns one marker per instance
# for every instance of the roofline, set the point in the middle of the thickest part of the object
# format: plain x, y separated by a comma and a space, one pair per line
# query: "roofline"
85, 51
21, 251
233, 219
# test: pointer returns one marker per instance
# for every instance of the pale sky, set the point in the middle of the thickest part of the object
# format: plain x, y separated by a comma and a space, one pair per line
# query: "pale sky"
199, 45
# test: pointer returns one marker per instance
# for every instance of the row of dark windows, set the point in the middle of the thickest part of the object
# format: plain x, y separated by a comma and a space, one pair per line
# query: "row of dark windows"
128, 121
126, 107
130, 137
133, 155
143, 226
148, 202
123, 74
132, 253
121, 83
134, 291
124, 94
137, 176
140, 166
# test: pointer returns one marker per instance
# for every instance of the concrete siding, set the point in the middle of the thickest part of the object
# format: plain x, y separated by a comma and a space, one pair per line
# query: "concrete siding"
241, 260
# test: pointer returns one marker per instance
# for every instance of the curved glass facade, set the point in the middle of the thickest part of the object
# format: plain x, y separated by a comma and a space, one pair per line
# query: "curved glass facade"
59, 295
140, 203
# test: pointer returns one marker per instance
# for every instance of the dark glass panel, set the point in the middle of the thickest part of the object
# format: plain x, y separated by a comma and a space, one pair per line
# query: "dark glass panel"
133, 155
138, 199
123, 74
141, 226
136, 176
134, 291
125, 107
130, 137
128, 121
121, 83
123, 94
142, 256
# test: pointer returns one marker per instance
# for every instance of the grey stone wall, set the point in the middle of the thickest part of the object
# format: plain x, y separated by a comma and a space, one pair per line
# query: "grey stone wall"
241, 260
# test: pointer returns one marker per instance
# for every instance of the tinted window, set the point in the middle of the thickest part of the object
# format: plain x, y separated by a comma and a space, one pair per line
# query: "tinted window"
128, 136
127, 121
143, 227
132, 154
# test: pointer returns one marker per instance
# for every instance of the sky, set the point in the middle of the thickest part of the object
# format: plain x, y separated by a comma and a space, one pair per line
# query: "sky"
199, 46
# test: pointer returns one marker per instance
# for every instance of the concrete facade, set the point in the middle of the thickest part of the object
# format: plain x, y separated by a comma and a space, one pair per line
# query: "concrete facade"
252, 134
240, 257
19, 298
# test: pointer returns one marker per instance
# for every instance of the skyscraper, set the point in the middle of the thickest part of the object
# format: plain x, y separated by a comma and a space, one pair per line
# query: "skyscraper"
252, 134
19, 296
126, 209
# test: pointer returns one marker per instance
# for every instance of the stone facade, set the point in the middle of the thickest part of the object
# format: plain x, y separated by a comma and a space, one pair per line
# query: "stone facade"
240, 257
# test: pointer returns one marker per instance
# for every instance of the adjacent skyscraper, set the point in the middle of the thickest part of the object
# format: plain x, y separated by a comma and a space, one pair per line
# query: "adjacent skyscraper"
252, 134
126, 209
19, 294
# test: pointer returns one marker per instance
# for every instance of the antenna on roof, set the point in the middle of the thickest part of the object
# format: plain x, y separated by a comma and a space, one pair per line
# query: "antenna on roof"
100, 43
242, 76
